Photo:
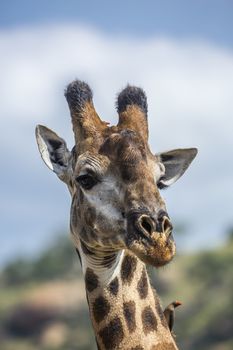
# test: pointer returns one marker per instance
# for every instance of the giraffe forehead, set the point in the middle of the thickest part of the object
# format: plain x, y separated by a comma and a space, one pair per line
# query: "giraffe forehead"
125, 153
92, 161
130, 157
125, 146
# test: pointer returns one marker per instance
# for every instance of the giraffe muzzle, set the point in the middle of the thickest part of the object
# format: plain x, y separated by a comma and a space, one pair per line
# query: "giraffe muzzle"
150, 237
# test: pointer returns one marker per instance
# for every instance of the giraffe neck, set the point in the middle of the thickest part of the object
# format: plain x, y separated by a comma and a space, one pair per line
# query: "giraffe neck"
124, 309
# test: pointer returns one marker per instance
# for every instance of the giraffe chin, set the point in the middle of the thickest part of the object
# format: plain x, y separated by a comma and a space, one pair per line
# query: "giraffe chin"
158, 254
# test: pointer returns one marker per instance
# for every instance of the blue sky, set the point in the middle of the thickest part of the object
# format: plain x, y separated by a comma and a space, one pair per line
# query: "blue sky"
180, 52
208, 19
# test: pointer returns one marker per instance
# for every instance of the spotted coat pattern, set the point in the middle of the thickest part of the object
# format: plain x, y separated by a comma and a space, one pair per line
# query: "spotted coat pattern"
126, 312
118, 218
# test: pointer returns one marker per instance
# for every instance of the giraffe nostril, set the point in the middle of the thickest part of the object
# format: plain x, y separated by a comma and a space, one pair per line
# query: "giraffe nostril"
166, 225
146, 223
163, 223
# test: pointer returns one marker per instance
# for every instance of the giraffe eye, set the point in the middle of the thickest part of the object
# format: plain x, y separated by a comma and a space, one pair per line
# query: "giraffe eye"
87, 181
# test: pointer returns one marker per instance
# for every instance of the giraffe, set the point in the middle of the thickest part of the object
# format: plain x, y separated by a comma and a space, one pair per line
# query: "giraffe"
118, 219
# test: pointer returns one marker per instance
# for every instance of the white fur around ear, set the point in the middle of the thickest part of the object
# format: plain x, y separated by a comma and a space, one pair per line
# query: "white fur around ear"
53, 150
43, 148
176, 162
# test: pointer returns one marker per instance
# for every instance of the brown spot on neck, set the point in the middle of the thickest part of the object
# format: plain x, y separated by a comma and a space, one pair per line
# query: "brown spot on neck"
128, 268
149, 321
91, 280
129, 309
112, 335
100, 308
114, 287
142, 286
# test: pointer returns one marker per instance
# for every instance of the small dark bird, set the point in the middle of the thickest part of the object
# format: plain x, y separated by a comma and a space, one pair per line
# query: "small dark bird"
169, 313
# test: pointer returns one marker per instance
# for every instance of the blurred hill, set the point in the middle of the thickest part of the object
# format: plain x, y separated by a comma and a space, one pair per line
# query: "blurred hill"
43, 304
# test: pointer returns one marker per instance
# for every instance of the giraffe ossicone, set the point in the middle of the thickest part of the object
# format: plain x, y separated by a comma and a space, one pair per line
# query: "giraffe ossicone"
118, 219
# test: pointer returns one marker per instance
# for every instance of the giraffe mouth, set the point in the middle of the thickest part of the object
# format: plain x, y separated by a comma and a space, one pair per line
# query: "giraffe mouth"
157, 251
156, 248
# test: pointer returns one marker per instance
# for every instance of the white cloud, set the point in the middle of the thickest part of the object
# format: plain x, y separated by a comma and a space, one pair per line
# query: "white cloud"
188, 84
194, 77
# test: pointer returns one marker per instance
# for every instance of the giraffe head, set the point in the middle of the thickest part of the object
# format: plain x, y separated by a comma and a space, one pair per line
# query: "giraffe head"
114, 179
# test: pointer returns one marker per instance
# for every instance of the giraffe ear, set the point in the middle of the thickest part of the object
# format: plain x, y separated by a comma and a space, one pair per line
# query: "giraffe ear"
53, 151
175, 162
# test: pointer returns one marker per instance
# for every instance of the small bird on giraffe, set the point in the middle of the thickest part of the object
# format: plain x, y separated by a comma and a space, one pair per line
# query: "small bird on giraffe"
169, 313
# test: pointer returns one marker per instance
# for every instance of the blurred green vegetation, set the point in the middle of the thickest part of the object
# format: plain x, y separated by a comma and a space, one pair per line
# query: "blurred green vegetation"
43, 302
59, 260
